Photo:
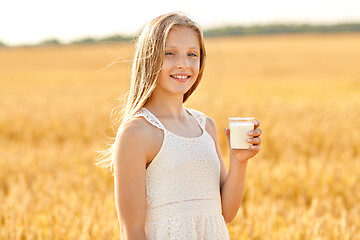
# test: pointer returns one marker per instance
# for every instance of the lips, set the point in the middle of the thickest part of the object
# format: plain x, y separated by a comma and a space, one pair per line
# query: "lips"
180, 77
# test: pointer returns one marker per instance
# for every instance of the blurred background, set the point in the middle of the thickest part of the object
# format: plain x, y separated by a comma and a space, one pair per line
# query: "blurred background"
295, 66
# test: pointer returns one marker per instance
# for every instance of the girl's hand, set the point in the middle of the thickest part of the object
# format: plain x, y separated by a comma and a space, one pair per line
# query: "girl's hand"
243, 155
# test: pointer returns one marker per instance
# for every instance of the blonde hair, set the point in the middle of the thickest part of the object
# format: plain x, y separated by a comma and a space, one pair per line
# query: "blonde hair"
148, 60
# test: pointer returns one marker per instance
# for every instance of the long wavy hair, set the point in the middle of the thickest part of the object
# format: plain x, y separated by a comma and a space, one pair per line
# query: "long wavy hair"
147, 64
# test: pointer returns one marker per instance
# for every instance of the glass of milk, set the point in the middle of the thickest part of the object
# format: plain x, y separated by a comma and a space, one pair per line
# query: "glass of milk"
239, 132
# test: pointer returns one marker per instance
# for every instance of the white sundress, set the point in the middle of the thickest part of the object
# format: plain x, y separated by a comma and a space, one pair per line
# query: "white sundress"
183, 186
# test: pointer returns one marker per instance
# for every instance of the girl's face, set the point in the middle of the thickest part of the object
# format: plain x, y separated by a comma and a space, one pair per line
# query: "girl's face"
182, 61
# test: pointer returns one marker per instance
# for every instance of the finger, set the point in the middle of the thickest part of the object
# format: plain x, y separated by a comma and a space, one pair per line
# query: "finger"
256, 124
227, 134
255, 133
255, 141
255, 149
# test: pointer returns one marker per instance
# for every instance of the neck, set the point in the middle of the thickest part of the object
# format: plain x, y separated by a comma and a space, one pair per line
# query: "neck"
166, 106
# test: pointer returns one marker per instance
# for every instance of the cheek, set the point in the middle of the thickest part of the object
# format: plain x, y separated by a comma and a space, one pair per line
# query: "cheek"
165, 68
196, 66
165, 65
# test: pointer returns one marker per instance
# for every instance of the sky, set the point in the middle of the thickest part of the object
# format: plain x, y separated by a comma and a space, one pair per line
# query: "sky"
30, 22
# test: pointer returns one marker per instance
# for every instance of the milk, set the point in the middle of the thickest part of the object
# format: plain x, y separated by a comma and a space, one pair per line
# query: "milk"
239, 133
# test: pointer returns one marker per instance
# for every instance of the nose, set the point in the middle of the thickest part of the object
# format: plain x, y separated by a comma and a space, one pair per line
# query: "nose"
182, 62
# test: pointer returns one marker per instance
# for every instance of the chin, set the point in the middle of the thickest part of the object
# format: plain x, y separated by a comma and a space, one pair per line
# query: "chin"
181, 91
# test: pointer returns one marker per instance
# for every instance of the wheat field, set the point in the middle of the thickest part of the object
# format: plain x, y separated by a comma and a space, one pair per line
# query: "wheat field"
55, 105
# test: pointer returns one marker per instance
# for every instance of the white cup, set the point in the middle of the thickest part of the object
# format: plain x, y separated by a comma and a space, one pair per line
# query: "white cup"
239, 132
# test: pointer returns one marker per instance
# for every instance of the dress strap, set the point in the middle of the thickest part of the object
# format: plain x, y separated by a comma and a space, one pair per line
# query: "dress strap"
150, 118
199, 116
144, 112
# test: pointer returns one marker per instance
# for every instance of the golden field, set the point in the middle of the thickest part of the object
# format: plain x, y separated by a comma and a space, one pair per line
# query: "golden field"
55, 105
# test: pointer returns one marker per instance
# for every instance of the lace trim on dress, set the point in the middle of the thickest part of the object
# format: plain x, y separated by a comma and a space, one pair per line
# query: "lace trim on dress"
150, 118
199, 116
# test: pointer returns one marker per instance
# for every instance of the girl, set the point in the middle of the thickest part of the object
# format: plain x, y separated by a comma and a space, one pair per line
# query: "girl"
169, 177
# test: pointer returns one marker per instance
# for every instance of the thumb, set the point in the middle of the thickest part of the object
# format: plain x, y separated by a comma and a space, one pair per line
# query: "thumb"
227, 134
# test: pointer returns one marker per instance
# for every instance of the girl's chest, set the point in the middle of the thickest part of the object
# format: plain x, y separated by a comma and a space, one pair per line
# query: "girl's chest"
189, 153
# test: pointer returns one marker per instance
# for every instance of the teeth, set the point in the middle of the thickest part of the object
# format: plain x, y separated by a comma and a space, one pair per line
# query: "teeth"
180, 76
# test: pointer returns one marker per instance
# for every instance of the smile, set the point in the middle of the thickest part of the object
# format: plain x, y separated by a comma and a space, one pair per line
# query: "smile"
180, 78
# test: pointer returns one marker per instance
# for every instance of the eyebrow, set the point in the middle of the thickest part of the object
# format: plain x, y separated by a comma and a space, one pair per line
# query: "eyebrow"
189, 47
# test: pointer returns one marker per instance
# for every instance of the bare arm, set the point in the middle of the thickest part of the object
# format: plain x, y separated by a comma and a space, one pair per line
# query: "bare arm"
129, 181
232, 183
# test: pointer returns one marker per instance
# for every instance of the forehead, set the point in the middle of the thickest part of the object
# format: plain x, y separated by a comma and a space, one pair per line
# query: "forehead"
182, 36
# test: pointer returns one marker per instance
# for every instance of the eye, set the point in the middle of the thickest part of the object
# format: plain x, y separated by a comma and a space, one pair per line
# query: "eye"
169, 53
192, 54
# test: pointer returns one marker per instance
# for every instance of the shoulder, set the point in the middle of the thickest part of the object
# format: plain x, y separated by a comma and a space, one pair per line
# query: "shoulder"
135, 128
210, 126
132, 134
